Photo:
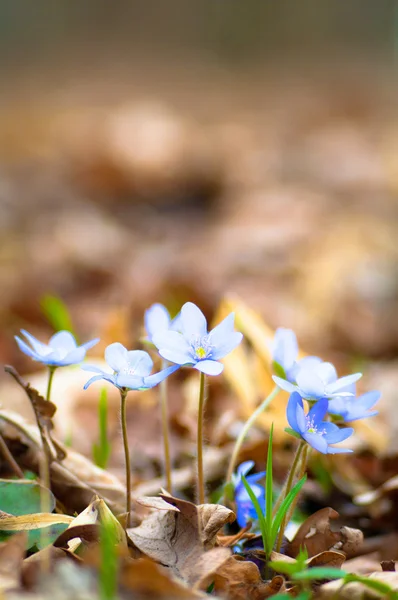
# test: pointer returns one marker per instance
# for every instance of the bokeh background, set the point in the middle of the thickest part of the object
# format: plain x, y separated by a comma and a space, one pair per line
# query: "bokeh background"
174, 151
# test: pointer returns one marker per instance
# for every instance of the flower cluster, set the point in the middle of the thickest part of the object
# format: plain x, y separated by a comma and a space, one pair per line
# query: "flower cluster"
316, 381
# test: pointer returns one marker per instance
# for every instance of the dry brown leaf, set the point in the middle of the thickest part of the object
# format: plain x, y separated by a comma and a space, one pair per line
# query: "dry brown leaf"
238, 579
183, 537
358, 591
316, 536
12, 553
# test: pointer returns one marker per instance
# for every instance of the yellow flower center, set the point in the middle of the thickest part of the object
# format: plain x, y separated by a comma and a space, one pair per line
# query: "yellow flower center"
200, 352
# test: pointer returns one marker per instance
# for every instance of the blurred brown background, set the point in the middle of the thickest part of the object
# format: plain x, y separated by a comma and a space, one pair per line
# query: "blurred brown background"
166, 151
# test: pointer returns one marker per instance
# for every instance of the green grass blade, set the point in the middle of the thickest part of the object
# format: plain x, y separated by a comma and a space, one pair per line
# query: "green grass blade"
259, 514
269, 488
56, 312
102, 450
284, 507
320, 573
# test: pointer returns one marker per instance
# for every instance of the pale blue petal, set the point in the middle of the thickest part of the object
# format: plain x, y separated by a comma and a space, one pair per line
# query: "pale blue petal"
318, 411
338, 436
294, 401
309, 362
311, 386
193, 321
367, 400
132, 382
72, 358
327, 372
90, 344
244, 468
343, 382
230, 343
316, 441
338, 405
209, 367
26, 349
38, 347
139, 363
171, 340
300, 418
174, 356
92, 369
353, 414
156, 378
106, 376
64, 341
116, 356
176, 323
156, 319
284, 385
222, 331
252, 479
285, 348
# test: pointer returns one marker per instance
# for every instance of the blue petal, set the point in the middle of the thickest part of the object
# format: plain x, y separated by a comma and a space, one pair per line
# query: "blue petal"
193, 321
343, 382
338, 405
40, 348
139, 363
63, 340
209, 367
310, 384
26, 349
301, 420
334, 437
176, 324
116, 356
171, 340
294, 401
367, 400
338, 450
285, 348
222, 331
230, 343
244, 468
252, 479
91, 368
156, 378
284, 385
318, 411
317, 441
327, 372
156, 319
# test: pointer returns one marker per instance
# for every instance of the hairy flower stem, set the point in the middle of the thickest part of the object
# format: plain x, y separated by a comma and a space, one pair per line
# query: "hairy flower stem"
248, 425
201, 481
123, 396
165, 429
51, 371
290, 481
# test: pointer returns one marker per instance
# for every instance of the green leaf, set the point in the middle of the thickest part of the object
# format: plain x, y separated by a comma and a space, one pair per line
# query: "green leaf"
108, 571
259, 513
102, 450
287, 568
22, 497
56, 312
228, 491
284, 507
269, 493
320, 573
373, 584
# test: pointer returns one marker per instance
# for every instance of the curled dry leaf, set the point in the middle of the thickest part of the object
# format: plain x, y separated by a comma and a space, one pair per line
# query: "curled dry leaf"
183, 537
316, 536
238, 579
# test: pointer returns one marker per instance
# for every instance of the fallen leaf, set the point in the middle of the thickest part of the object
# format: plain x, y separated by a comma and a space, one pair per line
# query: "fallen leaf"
12, 553
238, 579
316, 536
42, 528
179, 537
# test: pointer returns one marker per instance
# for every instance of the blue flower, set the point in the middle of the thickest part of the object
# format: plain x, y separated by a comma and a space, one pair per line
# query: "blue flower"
312, 428
157, 319
316, 379
129, 369
352, 409
194, 346
61, 350
285, 351
245, 510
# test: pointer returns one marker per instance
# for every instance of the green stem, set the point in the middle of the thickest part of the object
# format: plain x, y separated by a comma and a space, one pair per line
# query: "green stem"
249, 423
165, 430
51, 371
286, 489
123, 395
303, 469
201, 481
